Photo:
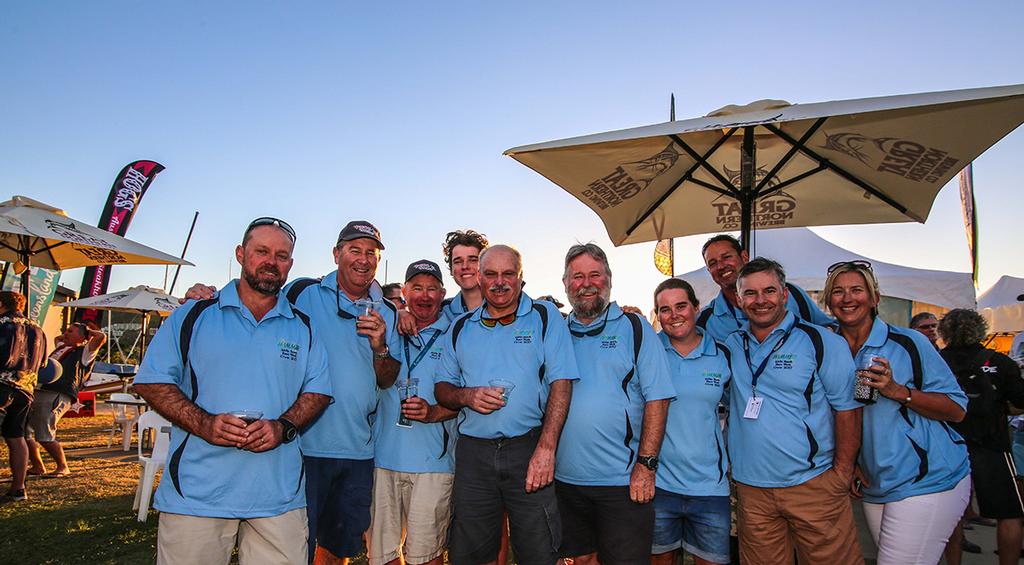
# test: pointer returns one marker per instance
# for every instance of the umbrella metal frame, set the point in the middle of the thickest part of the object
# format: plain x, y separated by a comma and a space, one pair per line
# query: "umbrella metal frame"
747, 193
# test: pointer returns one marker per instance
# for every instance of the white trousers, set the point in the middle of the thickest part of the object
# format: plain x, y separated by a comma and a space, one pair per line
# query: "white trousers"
914, 531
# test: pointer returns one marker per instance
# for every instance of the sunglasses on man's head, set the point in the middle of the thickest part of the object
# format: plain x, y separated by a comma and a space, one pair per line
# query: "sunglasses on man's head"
858, 263
268, 221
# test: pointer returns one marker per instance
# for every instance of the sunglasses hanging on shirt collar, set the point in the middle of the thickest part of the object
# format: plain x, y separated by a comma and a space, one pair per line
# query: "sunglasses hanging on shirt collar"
341, 313
594, 331
504, 320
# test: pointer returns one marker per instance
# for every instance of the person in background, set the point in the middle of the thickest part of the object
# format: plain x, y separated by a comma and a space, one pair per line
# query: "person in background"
78, 347
22, 353
912, 467
928, 324
991, 380
691, 507
393, 292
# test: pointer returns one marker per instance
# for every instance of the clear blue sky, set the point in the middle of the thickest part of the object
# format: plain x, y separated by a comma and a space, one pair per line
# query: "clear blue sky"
398, 112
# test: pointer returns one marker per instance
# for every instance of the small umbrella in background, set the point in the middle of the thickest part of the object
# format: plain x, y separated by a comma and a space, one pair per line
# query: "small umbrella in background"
36, 234
137, 299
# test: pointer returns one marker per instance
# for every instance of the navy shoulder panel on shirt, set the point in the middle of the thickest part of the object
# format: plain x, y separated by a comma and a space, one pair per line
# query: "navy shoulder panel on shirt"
446, 302
305, 320
188, 325
456, 329
801, 301
638, 335
813, 334
542, 311
298, 286
906, 342
704, 316
724, 351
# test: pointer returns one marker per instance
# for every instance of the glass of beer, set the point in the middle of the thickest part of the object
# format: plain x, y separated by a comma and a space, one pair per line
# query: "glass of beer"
408, 389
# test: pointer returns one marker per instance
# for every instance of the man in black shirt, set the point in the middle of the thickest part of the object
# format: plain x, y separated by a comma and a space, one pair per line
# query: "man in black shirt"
75, 351
991, 380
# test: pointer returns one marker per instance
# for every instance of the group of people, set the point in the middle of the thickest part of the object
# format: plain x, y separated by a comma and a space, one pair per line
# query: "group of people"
36, 391
427, 423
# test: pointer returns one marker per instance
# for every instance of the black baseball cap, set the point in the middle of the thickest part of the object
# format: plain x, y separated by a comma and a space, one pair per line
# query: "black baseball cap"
359, 229
423, 267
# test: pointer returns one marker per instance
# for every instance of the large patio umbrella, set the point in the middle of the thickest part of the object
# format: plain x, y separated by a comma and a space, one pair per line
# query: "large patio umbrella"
137, 299
772, 164
36, 234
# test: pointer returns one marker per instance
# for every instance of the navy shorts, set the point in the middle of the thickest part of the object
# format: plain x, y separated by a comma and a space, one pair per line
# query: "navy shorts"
338, 494
14, 408
698, 524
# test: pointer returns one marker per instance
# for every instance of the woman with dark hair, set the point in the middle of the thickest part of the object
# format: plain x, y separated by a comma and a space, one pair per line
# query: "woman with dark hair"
913, 469
691, 504
991, 380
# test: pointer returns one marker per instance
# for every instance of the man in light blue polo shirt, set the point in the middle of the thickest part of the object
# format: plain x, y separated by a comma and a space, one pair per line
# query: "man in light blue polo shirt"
724, 257
608, 454
794, 429
362, 359
235, 474
415, 464
508, 366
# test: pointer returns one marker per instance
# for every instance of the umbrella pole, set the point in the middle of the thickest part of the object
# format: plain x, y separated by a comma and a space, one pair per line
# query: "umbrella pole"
26, 275
747, 164
145, 332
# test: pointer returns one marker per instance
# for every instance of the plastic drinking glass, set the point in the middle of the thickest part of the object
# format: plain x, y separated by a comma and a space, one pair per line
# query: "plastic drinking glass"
506, 387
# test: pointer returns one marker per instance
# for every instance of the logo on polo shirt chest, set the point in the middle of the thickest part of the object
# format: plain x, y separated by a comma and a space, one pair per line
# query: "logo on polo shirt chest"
435, 352
783, 360
289, 350
712, 379
609, 341
522, 336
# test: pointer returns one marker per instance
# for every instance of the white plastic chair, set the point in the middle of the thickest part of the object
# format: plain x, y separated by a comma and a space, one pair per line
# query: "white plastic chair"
150, 420
122, 419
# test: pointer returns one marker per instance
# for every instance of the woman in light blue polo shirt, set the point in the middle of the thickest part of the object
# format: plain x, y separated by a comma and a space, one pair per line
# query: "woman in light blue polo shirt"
913, 466
691, 502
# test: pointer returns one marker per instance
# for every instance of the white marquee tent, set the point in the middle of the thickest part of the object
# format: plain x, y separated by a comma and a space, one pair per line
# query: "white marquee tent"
806, 256
1000, 307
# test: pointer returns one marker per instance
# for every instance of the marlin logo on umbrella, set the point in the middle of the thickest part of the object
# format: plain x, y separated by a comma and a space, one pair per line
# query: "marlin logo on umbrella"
70, 232
902, 157
628, 179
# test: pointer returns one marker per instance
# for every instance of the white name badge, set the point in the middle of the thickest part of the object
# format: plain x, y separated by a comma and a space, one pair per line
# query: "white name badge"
753, 408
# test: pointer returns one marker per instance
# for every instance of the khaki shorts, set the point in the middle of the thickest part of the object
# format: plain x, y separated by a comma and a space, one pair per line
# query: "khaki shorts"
422, 503
816, 517
275, 540
47, 408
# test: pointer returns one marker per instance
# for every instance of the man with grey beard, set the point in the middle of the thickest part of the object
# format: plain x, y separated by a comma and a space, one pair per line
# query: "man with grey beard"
605, 471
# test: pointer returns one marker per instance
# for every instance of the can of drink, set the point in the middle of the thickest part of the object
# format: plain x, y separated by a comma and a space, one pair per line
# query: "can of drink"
861, 392
407, 390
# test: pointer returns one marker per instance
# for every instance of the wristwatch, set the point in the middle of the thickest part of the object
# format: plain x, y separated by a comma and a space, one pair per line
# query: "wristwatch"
383, 354
910, 396
289, 431
649, 461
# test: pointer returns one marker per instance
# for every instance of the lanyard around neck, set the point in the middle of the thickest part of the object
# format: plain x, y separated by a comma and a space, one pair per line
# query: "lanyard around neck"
764, 362
426, 348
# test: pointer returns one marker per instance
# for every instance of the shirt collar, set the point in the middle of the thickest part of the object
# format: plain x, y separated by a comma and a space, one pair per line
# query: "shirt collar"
879, 333
614, 312
228, 298
705, 347
723, 308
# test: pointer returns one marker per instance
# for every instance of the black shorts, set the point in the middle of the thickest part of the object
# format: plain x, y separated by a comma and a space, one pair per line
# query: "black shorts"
490, 479
995, 484
14, 405
604, 519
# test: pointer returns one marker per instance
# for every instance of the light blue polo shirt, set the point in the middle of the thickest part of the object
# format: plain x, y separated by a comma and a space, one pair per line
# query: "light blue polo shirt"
693, 457
423, 448
903, 453
454, 307
518, 352
344, 429
601, 436
792, 440
236, 363
719, 318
